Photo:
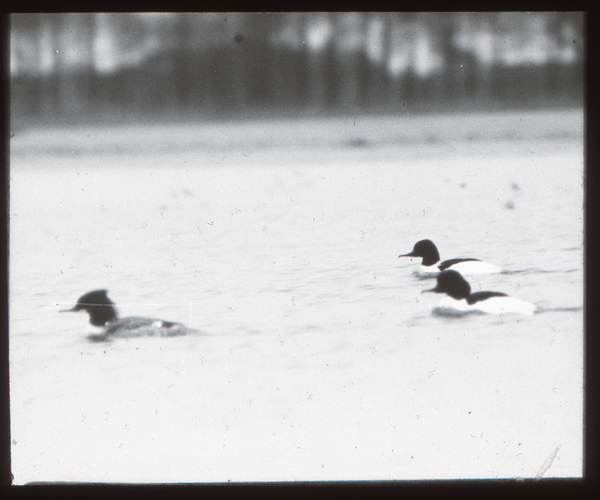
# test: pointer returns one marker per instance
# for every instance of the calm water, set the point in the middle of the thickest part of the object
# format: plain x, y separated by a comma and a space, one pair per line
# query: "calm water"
319, 358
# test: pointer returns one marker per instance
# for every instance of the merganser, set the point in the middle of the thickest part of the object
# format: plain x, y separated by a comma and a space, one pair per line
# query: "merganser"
430, 266
103, 313
461, 300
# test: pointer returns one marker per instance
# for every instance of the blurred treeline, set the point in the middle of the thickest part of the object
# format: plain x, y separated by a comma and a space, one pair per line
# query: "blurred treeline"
124, 66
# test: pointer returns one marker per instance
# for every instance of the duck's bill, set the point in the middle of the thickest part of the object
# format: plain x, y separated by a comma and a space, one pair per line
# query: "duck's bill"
406, 255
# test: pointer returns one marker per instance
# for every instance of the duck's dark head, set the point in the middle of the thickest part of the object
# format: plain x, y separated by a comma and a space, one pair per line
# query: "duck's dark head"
97, 304
425, 249
452, 283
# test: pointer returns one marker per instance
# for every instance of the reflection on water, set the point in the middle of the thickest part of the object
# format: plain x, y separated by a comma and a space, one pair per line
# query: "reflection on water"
320, 352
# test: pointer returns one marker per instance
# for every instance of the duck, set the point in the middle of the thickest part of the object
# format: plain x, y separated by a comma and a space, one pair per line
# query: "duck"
103, 313
460, 299
431, 266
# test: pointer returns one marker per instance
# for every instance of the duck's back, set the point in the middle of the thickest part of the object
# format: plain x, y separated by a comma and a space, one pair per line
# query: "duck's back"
470, 267
139, 326
503, 305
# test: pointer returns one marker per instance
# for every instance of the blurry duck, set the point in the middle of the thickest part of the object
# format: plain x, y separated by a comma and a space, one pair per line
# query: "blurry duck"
431, 265
461, 300
103, 313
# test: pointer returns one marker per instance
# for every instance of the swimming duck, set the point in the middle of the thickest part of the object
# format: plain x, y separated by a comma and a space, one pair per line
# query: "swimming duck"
461, 300
103, 313
431, 265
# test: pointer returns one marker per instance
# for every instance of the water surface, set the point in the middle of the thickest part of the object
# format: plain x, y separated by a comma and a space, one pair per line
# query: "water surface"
319, 357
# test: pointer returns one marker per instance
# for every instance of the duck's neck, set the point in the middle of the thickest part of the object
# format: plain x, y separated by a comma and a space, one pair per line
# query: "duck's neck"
429, 261
102, 314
